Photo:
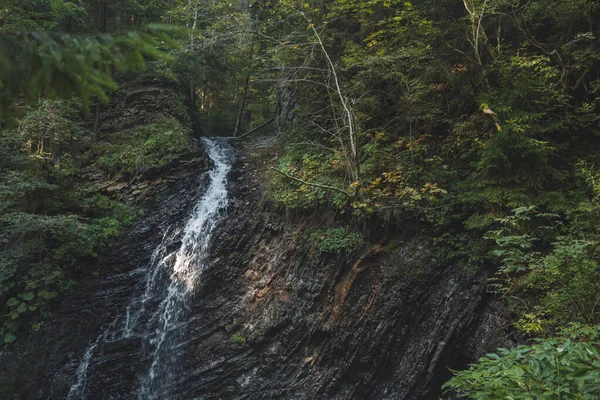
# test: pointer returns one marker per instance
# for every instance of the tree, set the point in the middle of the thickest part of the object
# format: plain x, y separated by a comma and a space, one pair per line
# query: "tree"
62, 65
567, 366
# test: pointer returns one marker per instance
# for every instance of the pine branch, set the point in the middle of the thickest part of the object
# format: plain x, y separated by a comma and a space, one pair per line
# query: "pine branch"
62, 65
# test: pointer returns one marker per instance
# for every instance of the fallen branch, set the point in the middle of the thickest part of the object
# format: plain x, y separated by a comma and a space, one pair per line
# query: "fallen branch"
335, 189
257, 128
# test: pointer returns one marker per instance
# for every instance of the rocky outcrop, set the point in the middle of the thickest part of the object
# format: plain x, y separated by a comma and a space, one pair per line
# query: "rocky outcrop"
139, 190
142, 103
384, 325
273, 318
153, 103
42, 365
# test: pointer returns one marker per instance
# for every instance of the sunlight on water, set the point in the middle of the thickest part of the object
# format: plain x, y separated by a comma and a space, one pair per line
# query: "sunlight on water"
189, 263
158, 315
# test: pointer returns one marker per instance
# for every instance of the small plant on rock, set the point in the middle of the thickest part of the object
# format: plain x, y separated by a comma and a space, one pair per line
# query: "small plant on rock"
238, 341
336, 240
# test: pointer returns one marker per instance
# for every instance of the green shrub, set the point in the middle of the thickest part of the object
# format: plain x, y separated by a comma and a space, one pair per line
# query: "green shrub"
39, 254
238, 341
563, 367
336, 240
149, 146
554, 272
309, 167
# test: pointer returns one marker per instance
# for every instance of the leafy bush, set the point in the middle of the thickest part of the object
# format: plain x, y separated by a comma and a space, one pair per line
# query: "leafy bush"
149, 146
39, 254
310, 167
554, 270
238, 341
563, 367
336, 240
49, 226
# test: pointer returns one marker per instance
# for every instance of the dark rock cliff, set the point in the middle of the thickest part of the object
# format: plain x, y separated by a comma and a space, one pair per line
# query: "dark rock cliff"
42, 365
273, 318
359, 326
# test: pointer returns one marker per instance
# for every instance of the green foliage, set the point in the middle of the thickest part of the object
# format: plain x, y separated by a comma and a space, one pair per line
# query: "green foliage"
149, 146
55, 54
39, 253
158, 72
464, 112
52, 220
309, 167
566, 366
63, 65
557, 272
336, 240
238, 341
44, 15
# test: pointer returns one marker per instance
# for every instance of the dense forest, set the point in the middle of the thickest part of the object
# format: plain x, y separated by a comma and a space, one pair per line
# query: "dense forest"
476, 122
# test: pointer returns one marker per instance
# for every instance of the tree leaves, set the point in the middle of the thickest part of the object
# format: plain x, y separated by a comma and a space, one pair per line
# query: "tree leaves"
62, 65
567, 366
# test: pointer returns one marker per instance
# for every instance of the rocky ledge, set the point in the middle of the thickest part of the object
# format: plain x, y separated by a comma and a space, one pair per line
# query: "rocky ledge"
273, 318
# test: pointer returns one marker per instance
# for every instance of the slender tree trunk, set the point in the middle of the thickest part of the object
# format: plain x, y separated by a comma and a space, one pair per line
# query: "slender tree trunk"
104, 16
242, 106
170, 17
192, 85
96, 123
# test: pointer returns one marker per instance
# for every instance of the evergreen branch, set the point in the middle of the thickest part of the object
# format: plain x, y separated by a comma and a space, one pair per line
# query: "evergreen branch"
62, 65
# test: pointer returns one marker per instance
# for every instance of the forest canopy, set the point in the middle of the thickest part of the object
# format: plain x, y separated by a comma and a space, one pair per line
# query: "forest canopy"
479, 119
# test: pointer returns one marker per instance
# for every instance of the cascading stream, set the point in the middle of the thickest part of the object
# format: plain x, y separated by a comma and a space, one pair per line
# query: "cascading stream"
158, 316
187, 266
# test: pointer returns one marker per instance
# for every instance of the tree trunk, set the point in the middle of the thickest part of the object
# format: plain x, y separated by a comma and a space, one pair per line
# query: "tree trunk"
96, 124
240, 116
238, 123
104, 16
192, 84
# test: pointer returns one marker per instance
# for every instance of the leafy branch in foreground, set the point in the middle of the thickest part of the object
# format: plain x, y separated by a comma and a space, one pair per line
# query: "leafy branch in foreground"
552, 271
566, 367
62, 65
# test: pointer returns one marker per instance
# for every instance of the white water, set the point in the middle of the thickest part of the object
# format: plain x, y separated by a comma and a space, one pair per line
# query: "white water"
78, 388
158, 315
187, 266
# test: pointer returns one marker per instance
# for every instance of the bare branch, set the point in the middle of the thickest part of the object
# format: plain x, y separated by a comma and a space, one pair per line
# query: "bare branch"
326, 187
349, 116
257, 128
294, 80
312, 144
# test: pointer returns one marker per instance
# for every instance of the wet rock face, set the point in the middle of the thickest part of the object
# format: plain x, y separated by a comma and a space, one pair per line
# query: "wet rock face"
139, 104
321, 326
273, 318
43, 365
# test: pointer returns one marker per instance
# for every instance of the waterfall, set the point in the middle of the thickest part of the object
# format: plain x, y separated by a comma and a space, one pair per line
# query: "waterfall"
187, 265
158, 315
